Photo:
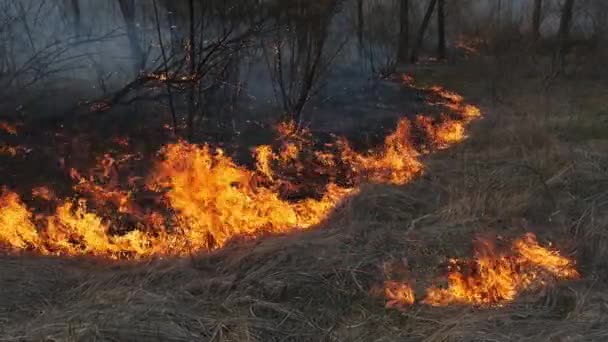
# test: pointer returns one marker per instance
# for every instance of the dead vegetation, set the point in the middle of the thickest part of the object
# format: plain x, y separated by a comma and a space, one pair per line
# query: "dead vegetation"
535, 167
534, 164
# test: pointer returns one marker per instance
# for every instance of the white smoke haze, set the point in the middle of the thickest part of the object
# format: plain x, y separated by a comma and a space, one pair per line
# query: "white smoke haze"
86, 47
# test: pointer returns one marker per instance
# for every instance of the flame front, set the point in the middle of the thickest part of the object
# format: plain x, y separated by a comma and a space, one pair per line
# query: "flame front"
397, 163
216, 199
202, 198
16, 227
491, 278
496, 277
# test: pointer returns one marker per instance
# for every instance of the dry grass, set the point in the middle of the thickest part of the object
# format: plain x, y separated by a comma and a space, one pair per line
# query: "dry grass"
538, 162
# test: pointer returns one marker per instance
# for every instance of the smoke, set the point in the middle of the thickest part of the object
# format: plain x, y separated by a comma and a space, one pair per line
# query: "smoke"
91, 47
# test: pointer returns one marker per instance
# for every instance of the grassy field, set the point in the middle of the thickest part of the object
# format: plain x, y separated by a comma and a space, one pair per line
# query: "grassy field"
537, 162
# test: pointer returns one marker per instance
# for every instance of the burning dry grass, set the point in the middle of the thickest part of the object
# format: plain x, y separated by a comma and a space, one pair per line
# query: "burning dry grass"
209, 199
17, 230
493, 277
497, 277
215, 199
314, 284
13, 151
8, 128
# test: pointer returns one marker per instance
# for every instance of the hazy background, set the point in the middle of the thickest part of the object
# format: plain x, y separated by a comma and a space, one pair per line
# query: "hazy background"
55, 53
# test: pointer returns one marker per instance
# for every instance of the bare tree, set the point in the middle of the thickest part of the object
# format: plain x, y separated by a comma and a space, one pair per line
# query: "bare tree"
422, 30
360, 21
77, 16
441, 29
536, 18
165, 66
127, 7
27, 56
404, 31
381, 42
297, 56
564, 34
192, 58
198, 76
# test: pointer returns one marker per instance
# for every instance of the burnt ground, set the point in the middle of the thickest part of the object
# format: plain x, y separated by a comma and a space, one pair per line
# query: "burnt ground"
537, 162
363, 111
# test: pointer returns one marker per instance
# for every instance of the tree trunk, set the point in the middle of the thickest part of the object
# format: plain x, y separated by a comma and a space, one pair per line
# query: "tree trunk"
127, 7
176, 47
536, 15
77, 20
564, 33
499, 15
165, 66
360, 22
441, 29
191, 57
404, 32
422, 30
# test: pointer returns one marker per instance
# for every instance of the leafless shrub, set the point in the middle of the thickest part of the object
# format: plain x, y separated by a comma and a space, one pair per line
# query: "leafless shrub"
298, 52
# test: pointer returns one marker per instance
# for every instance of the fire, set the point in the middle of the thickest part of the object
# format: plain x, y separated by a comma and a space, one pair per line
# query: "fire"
202, 198
10, 151
407, 79
17, 230
398, 294
13, 151
441, 133
493, 277
496, 277
121, 141
290, 128
397, 163
214, 198
469, 46
455, 102
530, 251
73, 230
44, 193
264, 157
102, 186
8, 128
447, 95
449, 99
289, 152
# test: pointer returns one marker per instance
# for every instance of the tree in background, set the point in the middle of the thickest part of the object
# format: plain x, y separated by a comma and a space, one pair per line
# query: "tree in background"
441, 29
422, 30
77, 16
564, 34
360, 22
536, 19
404, 31
127, 8
296, 52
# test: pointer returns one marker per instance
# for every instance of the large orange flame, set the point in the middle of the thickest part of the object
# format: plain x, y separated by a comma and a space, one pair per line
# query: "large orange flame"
215, 199
396, 163
16, 227
203, 198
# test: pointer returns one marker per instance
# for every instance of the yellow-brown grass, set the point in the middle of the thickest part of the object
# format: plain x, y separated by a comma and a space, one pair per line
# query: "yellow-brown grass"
536, 163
